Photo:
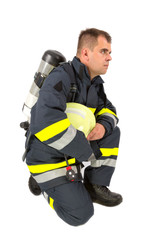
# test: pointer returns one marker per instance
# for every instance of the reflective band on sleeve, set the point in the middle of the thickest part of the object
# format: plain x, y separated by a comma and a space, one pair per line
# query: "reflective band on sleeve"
106, 110
47, 167
92, 110
106, 152
67, 137
50, 175
53, 130
107, 162
113, 117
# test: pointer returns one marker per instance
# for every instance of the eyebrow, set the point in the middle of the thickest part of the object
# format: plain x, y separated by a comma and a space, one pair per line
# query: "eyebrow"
106, 50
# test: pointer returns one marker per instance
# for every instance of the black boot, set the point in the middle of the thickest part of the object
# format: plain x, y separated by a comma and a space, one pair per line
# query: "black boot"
33, 186
102, 195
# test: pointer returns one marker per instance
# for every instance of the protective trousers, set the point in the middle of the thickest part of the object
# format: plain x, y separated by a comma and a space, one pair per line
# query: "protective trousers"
100, 171
71, 201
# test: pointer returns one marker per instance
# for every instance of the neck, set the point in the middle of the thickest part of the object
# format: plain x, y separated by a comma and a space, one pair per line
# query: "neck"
85, 63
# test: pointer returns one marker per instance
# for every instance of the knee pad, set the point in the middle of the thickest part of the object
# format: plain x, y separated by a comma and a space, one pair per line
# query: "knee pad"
78, 216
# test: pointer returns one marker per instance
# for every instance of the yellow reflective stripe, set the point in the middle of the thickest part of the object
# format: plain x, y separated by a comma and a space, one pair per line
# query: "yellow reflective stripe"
51, 201
53, 130
47, 167
106, 152
105, 110
93, 110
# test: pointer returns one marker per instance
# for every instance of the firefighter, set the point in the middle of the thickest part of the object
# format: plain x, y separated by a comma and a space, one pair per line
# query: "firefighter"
56, 143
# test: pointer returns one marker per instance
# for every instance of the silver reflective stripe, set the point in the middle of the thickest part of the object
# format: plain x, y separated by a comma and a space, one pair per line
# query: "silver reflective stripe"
45, 195
67, 137
106, 162
50, 175
92, 157
112, 116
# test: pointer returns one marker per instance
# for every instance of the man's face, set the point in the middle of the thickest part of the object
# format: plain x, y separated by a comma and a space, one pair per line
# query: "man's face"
98, 59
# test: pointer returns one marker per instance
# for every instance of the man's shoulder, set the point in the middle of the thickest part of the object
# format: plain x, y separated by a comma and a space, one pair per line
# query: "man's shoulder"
58, 72
58, 75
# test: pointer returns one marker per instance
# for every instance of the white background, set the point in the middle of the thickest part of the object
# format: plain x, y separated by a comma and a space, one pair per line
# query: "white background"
28, 29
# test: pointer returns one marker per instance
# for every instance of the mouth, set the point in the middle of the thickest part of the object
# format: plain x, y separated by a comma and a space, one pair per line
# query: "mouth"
106, 66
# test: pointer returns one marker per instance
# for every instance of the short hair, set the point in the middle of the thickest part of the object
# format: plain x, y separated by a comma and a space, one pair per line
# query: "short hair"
89, 37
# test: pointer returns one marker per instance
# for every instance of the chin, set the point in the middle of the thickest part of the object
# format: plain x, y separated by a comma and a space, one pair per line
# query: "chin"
104, 72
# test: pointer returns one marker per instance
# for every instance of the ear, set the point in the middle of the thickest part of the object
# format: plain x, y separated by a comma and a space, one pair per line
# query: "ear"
85, 54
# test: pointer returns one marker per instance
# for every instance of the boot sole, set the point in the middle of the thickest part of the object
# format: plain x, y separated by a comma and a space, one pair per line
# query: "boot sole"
107, 204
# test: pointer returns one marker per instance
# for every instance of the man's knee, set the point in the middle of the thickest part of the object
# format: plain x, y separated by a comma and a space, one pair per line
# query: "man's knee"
72, 203
85, 214
79, 216
75, 217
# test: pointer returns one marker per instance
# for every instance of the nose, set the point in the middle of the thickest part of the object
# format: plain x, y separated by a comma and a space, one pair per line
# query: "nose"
108, 58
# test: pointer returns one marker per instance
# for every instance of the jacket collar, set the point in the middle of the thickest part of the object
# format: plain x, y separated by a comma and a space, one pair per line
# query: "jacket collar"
82, 72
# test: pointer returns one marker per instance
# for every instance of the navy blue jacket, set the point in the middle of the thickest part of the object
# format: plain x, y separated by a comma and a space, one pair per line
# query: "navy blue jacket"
53, 135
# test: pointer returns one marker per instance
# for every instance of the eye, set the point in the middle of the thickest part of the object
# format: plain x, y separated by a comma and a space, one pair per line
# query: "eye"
103, 51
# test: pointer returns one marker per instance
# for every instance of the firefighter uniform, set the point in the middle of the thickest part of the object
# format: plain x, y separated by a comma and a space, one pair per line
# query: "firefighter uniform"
53, 136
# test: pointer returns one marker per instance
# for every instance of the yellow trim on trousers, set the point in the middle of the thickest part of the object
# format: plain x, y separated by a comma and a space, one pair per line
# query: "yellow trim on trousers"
51, 201
51, 166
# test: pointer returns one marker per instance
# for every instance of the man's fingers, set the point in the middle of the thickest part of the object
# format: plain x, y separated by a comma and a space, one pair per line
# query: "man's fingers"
97, 133
91, 135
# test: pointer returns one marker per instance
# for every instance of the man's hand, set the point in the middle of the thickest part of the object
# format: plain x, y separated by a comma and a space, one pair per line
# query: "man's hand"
97, 132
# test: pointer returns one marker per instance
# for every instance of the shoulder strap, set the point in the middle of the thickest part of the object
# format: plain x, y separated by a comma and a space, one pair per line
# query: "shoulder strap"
69, 69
